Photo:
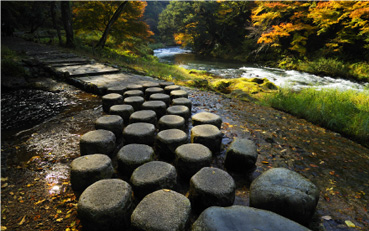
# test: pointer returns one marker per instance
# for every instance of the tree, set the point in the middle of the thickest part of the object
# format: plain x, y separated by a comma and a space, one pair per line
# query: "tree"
54, 19
67, 21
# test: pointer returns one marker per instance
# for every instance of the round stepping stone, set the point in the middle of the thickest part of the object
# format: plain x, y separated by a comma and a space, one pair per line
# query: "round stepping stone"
165, 84
182, 101
207, 118
153, 90
133, 93
117, 89
134, 87
110, 100
159, 107
98, 141
150, 84
211, 187
241, 156
208, 135
169, 89
238, 217
285, 192
135, 102
132, 156
162, 210
123, 110
171, 121
139, 133
178, 94
113, 123
106, 205
162, 97
180, 111
167, 142
153, 176
190, 158
145, 116
88, 169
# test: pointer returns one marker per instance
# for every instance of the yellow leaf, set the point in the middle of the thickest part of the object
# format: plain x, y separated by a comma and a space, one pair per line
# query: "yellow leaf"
3, 228
22, 221
59, 220
58, 211
350, 224
4, 185
3, 179
39, 202
265, 162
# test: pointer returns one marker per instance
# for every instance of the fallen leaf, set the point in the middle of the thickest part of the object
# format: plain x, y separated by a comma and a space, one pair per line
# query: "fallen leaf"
3, 228
3, 179
39, 202
59, 220
22, 221
327, 218
313, 165
4, 185
350, 224
331, 173
166, 190
265, 162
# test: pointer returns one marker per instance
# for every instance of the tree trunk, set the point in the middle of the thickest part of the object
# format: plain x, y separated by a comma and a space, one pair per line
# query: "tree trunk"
116, 15
67, 21
55, 25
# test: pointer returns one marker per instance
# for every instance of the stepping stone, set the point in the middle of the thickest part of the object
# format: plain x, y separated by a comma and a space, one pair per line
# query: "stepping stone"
153, 176
113, 123
179, 110
241, 156
285, 192
133, 93
169, 89
211, 187
106, 205
165, 84
110, 100
88, 169
134, 87
123, 110
117, 89
182, 101
190, 158
135, 102
152, 90
162, 97
238, 217
139, 133
145, 116
208, 135
149, 85
167, 142
178, 94
171, 121
98, 141
132, 156
87, 69
159, 107
207, 118
162, 210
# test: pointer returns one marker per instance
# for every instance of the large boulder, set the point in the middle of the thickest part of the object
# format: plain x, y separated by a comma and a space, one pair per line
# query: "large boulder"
242, 218
285, 192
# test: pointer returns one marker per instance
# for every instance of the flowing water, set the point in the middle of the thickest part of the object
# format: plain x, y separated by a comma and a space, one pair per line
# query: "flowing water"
233, 69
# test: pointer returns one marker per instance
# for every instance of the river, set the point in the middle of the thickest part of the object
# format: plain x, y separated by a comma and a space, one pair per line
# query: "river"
232, 69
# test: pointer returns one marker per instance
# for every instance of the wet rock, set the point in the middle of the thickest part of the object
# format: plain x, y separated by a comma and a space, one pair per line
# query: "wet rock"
170, 122
162, 97
139, 133
145, 116
285, 192
110, 100
167, 142
106, 205
190, 158
162, 210
123, 110
98, 141
169, 89
208, 135
211, 187
152, 90
88, 169
182, 101
153, 176
133, 93
180, 111
113, 123
242, 218
159, 107
132, 156
207, 118
178, 94
241, 155
135, 102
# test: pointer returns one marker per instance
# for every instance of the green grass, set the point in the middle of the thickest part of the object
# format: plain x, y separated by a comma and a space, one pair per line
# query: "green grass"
344, 112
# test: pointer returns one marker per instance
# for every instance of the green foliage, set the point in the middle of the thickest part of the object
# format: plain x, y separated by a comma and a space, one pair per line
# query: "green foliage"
344, 112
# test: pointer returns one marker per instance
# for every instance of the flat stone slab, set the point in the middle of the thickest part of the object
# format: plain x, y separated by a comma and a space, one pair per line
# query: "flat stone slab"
207, 118
208, 135
162, 210
87, 69
106, 205
241, 155
113, 123
153, 90
182, 101
242, 218
65, 60
133, 93
88, 169
111, 99
285, 192
116, 89
159, 107
144, 116
211, 187
165, 84
97, 141
162, 97
178, 94
132, 156
180, 111
135, 102
170, 122
150, 84
153, 176
135, 87
123, 110
139, 133
170, 88
167, 142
